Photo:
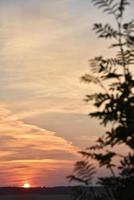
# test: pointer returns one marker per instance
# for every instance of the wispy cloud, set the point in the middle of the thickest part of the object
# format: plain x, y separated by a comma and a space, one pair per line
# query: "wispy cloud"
37, 148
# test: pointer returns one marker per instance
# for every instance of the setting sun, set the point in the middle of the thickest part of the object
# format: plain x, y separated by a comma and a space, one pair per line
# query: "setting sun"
26, 185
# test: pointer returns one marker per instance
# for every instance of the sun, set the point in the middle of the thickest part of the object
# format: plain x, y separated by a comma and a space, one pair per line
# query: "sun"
26, 185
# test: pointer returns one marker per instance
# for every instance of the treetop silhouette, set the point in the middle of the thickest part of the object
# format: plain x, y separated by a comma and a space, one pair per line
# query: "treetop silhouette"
114, 103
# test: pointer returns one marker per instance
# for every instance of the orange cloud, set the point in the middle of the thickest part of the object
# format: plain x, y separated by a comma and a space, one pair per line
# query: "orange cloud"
29, 152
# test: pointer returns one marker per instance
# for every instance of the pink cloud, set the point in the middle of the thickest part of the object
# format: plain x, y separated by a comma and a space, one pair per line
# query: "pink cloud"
32, 153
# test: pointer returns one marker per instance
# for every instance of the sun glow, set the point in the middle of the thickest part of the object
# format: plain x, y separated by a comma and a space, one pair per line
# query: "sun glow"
26, 185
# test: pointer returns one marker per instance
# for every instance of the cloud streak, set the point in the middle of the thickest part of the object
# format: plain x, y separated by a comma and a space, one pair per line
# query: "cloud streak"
31, 148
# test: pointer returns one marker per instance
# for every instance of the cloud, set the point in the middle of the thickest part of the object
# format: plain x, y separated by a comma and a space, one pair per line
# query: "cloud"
74, 126
45, 48
26, 150
42, 45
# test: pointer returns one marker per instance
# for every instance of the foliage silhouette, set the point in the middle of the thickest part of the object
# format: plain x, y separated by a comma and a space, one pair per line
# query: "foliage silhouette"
84, 172
114, 103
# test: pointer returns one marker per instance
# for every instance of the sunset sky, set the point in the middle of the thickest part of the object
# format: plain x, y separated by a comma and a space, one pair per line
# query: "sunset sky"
45, 48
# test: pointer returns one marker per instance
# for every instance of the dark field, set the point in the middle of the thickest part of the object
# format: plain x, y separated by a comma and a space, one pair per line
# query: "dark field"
56, 193
35, 197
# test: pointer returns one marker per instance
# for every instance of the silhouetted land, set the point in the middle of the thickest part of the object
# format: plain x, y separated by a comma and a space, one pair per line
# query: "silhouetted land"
55, 193
38, 190
14, 193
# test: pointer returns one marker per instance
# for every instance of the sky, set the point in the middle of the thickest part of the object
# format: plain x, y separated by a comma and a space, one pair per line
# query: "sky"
45, 46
